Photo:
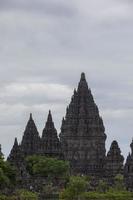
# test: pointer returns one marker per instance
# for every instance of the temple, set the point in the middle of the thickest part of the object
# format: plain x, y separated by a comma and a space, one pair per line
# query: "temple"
81, 141
51, 145
31, 140
1, 154
82, 133
128, 169
114, 161
32, 143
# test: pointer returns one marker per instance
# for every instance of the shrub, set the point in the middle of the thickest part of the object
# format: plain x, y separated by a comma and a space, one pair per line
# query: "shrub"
76, 186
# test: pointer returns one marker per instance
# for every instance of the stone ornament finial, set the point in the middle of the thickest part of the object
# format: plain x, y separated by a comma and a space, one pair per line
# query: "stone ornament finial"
83, 76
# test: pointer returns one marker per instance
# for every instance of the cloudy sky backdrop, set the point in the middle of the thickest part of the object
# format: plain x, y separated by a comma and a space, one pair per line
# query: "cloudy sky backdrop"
46, 44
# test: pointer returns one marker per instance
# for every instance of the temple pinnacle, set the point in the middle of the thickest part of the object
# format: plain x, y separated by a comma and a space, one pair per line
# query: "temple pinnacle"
30, 116
16, 142
49, 116
83, 76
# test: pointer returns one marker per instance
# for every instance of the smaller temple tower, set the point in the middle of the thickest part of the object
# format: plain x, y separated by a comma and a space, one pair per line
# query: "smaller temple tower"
15, 156
114, 161
50, 141
1, 154
31, 140
128, 170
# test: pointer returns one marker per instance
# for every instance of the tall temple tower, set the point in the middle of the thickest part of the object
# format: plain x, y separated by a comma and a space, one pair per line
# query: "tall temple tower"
1, 154
114, 161
50, 142
82, 133
31, 140
128, 169
15, 155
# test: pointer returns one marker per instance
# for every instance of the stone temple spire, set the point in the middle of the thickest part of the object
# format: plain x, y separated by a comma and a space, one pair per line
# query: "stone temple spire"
49, 117
31, 140
131, 145
128, 169
82, 132
82, 86
1, 154
50, 141
15, 155
49, 127
114, 160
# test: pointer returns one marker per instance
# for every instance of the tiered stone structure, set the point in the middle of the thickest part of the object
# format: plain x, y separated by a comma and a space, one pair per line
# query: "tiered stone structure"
50, 142
17, 158
81, 142
16, 155
82, 133
128, 170
114, 161
1, 154
31, 140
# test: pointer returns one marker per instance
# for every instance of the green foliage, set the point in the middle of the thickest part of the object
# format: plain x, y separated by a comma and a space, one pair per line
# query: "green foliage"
21, 195
107, 196
75, 188
7, 174
47, 167
102, 186
26, 195
119, 183
4, 180
78, 186
49, 189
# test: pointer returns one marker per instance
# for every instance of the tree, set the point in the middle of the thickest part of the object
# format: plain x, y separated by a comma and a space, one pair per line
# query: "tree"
119, 182
75, 188
102, 186
47, 167
26, 195
7, 174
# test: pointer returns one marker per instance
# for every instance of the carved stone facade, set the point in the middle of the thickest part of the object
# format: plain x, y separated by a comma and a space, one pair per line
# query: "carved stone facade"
16, 154
51, 145
32, 143
82, 133
1, 154
128, 170
114, 160
31, 140
81, 141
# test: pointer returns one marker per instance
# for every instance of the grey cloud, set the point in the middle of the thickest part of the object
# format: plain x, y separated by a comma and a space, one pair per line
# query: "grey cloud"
36, 93
56, 8
52, 42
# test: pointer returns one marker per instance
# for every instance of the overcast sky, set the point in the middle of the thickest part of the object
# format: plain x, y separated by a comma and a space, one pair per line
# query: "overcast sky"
44, 47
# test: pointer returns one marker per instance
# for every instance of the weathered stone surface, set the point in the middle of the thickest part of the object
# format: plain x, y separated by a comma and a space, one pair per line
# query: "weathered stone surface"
82, 141
31, 140
17, 158
48, 145
50, 142
1, 154
128, 169
15, 154
82, 132
114, 161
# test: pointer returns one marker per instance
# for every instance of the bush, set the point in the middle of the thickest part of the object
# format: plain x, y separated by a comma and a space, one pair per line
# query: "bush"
76, 186
107, 196
102, 186
21, 195
26, 195
47, 167
7, 174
